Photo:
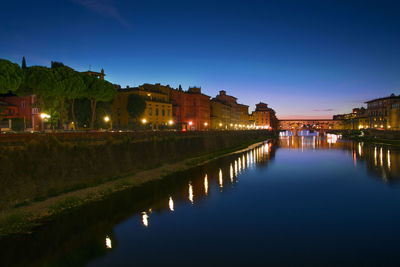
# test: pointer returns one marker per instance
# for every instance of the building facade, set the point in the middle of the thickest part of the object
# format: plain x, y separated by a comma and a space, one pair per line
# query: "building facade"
191, 109
13, 107
265, 117
220, 115
158, 112
100, 75
379, 111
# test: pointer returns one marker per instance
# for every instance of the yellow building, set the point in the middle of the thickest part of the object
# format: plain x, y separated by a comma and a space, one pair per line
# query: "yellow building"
244, 115
158, 112
395, 117
220, 115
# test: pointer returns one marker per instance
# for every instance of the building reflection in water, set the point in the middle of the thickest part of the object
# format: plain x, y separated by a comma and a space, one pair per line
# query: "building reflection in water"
380, 160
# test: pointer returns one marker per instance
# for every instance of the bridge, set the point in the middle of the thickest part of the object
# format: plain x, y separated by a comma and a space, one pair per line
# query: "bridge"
306, 124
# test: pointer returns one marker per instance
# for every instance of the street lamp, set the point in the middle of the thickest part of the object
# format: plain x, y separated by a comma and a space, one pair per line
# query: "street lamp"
206, 124
144, 121
44, 116
190, 123
107, 119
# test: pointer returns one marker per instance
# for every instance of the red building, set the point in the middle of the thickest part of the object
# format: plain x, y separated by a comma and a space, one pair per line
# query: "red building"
191, 109
16, 107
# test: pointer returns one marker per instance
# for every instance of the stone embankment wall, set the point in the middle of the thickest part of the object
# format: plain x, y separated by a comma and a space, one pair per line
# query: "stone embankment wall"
370, 133
45, 166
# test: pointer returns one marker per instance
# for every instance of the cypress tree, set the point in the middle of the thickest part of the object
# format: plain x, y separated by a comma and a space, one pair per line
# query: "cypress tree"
23, 63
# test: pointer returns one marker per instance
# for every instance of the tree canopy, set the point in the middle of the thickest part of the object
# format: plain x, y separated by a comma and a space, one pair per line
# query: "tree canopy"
136, 105
11, 76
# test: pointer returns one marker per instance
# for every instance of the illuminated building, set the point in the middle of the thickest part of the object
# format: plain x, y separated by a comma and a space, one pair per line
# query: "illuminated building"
158, 112
264, 116
191, 109
394, 119
226, 113
379, 111
22, 108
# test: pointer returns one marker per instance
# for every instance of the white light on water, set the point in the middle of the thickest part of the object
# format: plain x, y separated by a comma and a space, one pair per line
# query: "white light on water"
190, 192
108, 242
206, 184
231, 172
388, 160
236, 168
220, 179
145, 219
171, 204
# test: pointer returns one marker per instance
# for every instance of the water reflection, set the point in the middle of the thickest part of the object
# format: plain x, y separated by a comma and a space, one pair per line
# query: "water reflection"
190, 192
171, 204
379, 159
108, 242
81, 235
206, 184
145, 219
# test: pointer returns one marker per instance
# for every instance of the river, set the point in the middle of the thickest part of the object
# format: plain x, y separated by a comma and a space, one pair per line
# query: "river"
299, 201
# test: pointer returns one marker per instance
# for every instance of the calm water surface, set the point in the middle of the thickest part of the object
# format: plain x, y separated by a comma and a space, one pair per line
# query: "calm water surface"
299, 201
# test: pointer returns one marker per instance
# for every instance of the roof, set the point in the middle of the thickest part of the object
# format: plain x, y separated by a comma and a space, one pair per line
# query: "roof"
384, 98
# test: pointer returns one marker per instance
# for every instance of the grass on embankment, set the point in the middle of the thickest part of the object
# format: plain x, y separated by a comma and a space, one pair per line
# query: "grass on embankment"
24, 218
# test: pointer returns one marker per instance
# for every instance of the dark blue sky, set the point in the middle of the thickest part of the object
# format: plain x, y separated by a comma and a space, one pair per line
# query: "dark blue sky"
304, 58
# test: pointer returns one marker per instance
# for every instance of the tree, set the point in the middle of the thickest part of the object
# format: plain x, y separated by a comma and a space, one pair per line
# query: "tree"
69, 86
23, 66
42, 82
97, 90
11, 76
135, 106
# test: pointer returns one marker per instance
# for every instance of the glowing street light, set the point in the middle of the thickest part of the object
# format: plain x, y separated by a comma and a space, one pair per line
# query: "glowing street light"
190, 123
44, 117
170, 122
106, 119
220, 124
206, 124
144, 121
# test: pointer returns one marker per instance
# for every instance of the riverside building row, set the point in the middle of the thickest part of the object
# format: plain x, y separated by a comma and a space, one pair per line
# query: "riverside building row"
167, 107
381, 113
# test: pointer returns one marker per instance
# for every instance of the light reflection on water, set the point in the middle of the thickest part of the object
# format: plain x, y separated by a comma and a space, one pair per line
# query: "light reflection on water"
203, 186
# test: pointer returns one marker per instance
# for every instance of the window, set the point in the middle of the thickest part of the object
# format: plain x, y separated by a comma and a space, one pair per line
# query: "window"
150, 111
156, 111
163, 112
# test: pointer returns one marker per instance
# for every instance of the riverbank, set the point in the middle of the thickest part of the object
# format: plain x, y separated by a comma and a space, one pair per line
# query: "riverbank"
23, 218
371, 136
